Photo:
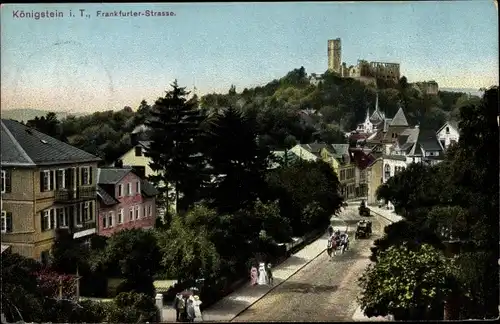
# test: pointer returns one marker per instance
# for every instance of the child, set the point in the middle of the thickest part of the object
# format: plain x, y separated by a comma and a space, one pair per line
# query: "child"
269, 274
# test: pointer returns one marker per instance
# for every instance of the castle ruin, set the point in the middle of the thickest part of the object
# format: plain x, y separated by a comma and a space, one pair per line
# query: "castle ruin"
367, 72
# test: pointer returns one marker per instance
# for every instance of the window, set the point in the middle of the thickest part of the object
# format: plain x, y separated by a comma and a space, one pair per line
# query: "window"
48, 219
138, 151
447, 130
62, 218
120, 190
86, 212
79, 215
137, 212
6, 221
46, 181
144, 214
137, 187
4, 182
387, 171
131, 214
443, 143
60, 179
129, 189
104, 221
150, 211
111, 217
86, 177
120, 216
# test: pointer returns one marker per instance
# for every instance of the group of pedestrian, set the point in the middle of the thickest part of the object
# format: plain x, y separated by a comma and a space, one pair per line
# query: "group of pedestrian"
187, 307
262, 275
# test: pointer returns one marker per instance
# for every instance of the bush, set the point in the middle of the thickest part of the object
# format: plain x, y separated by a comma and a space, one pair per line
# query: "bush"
137, 285
132, 308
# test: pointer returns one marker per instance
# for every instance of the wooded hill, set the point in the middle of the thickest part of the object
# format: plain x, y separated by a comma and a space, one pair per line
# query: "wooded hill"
339, 104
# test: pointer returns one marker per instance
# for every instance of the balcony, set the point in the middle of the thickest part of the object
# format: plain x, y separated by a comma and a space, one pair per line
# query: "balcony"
75, 195
85, 229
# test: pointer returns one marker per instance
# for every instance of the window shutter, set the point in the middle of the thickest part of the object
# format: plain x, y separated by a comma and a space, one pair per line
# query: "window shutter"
42, 222
51, 181
90, 175
8, 184
9, 222
41, 181
78, 177
59, 219
78, 213
67, 175
58, 174
52, 218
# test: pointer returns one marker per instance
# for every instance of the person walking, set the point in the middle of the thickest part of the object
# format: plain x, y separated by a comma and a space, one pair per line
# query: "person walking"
197, 310
190, 314
269, 274
254, 273
177, 306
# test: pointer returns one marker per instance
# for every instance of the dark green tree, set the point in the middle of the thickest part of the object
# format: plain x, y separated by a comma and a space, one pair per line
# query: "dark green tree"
174, 148
238, 164
133, 254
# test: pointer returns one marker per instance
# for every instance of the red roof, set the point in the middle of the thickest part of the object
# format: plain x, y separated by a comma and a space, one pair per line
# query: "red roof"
362, 159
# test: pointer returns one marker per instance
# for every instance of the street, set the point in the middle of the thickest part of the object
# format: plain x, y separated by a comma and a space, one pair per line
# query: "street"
323, 290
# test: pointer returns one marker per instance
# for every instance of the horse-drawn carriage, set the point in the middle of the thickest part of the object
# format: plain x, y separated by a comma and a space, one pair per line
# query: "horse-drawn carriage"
364, 229
363, 210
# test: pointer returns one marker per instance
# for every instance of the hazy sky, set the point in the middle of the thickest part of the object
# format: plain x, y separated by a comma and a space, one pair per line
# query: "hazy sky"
76, 63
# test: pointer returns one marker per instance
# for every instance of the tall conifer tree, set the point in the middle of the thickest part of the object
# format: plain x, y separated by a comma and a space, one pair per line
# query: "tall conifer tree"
175, 127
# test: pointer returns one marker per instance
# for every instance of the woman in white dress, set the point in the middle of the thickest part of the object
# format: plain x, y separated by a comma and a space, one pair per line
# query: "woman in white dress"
197, 311
263, 280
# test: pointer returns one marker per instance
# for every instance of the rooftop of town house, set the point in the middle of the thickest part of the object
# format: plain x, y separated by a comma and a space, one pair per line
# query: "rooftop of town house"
24, 146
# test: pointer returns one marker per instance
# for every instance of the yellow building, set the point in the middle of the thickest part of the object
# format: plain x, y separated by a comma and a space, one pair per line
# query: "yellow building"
136, 159
338, 157
46, 185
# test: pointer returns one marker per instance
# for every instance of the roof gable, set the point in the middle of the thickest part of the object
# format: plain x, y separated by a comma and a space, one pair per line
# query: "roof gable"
399, 119
22, 145
112, 175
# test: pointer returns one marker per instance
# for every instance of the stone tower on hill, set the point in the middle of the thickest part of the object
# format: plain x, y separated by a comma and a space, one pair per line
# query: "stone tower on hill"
334, 55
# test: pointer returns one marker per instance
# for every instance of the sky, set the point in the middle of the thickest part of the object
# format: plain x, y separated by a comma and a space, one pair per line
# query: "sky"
85, 61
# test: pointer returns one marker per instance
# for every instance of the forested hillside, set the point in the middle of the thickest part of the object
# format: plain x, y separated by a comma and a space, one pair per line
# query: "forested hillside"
337, 106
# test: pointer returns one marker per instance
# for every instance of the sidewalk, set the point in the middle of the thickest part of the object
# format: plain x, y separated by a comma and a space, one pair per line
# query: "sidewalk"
235, 303
388, 214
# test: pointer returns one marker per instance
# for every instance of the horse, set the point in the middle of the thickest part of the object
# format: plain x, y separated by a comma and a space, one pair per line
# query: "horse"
332, 245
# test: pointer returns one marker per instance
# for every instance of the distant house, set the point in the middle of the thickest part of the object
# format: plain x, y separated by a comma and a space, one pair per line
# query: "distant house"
448, 134
46, 185
124, 201
374, 176
337, 156
361, 158
136, 159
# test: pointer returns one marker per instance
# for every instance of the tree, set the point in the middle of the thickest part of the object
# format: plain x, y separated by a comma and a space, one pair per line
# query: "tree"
301, 184
133, 254
174, 148
187, 252
21, 298
132, 308
67, 253
238, 174
411, 284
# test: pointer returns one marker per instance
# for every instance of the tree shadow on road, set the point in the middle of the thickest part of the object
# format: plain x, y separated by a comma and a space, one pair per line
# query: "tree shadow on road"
292, 262
306, 288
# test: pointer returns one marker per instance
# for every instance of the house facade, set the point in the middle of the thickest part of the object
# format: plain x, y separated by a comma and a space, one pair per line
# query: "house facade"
136, 159
125, 201
374, 180
46, 185
338, 157
448, 134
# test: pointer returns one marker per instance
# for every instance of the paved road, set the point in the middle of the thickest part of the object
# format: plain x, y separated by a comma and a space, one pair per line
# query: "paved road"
324, 290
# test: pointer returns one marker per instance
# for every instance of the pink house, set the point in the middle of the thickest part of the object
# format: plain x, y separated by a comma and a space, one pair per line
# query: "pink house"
124, 201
